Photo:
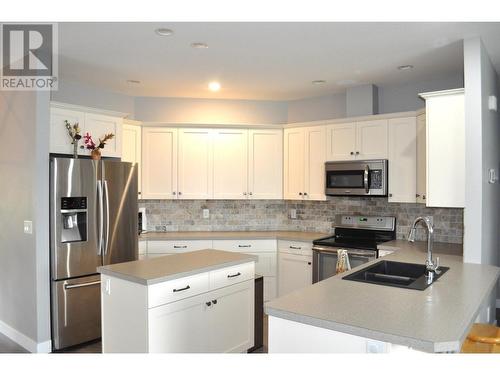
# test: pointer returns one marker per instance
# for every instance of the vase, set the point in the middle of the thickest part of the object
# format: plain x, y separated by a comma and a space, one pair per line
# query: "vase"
75, 149
95, 154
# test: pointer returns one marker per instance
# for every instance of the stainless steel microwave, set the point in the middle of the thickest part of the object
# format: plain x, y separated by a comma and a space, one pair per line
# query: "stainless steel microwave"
357, 177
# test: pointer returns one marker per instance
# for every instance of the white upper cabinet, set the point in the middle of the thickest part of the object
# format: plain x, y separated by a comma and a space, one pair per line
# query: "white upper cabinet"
421, 161
195, 163
265, 164
230, 164
159, 163
60, 141
371, 139
402, 160
99, 125
131, 147
304, 163
357, 141
445, 142
90, 121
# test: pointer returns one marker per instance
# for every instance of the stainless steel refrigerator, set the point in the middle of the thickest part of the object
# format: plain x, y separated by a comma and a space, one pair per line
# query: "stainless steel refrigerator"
93, 222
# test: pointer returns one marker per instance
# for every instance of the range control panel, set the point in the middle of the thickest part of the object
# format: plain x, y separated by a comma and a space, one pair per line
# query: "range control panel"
366, 222
73, 203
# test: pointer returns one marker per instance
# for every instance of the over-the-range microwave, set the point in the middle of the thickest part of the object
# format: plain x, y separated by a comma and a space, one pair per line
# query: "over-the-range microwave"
356, 178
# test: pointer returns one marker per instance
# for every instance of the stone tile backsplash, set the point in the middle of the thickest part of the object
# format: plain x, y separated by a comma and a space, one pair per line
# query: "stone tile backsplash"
244, 215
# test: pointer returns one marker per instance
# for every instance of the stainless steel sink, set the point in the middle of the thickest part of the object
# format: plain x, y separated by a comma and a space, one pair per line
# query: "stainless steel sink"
397, 274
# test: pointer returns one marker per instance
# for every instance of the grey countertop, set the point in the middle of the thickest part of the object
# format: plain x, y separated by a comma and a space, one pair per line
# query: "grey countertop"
434, 320
254, 235
170, 267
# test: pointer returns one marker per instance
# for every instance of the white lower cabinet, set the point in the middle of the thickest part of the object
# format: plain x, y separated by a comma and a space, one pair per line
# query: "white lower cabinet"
177, 246
170, 318
294, 266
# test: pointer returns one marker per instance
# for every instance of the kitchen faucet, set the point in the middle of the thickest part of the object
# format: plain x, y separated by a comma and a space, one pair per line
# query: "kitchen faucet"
430, 266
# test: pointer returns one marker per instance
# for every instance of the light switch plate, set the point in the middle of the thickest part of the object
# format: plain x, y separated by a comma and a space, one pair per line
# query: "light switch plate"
492, 103
206, 213
28, 227
293, 213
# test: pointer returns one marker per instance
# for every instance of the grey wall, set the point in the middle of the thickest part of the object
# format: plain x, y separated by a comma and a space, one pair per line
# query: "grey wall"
24, 258
210, 111
317, 108
242, 215
80, 94
362, 100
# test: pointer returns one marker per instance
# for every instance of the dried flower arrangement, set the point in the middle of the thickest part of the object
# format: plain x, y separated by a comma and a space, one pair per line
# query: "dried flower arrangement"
74, 133
89, 144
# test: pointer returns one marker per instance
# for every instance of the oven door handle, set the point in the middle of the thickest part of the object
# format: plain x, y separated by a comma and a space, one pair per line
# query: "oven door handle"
366, 253
365, 179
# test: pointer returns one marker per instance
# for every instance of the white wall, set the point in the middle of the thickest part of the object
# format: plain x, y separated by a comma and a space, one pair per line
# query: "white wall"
24, 258
482, 127
211, 111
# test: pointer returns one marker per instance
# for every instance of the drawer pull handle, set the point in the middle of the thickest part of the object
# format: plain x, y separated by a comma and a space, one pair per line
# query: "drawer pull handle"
235, 275
295, 247
244, 245
309, 263
180, 246
181, 289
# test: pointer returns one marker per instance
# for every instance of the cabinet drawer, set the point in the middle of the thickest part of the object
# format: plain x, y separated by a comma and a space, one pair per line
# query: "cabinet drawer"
232, 275
182, 246
295, 247
245, 246
173, 290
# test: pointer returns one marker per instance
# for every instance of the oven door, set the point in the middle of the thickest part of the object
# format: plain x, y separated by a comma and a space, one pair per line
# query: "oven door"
325, 260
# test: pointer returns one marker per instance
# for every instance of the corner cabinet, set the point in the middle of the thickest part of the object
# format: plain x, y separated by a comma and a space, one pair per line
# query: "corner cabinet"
131, 147
91, 120
445, 148
304, 163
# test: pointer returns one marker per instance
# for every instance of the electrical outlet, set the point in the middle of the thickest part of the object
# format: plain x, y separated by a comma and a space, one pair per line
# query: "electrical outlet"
293, 213
28, 227
206, 213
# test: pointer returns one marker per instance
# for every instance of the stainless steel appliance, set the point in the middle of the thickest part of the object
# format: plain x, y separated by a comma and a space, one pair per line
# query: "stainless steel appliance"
93, 222
359, 235
357, 177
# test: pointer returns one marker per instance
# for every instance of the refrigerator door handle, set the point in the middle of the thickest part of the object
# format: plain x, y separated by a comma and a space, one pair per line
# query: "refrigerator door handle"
101, 217
106, 195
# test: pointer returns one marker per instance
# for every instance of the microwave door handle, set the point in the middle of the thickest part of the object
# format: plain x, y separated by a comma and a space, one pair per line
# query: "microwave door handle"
365, 179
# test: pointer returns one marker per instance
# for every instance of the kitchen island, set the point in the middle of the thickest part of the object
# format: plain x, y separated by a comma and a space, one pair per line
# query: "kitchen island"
337, 315
200, 301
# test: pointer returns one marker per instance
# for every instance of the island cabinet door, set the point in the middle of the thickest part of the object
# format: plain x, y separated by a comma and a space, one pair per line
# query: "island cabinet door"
231, 318
180, 327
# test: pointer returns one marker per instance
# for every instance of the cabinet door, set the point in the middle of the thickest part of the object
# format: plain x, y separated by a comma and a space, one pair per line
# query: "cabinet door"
265, 164
371, 140
230, 164
159, 163
231, 318
315, 157
295, 272
402, 160
421, 158
131, 148
60, 141
180, 327
294, 163
99, 125
195, 175
341, 142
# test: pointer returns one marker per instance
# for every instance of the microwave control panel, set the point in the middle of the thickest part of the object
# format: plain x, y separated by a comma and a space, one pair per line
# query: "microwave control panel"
376, 177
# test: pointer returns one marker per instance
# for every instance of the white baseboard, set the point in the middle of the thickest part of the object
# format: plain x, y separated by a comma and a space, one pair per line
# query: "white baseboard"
24, 341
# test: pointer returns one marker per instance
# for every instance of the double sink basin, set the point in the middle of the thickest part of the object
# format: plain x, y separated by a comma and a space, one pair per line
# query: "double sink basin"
397, 274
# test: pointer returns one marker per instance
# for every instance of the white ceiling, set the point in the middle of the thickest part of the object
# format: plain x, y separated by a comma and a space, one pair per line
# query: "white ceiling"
267, 61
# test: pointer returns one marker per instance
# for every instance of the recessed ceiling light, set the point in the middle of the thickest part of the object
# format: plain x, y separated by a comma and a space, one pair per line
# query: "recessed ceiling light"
214, 86
405, 67
318, 82
133, 81
199, 45
162, 31
346, 82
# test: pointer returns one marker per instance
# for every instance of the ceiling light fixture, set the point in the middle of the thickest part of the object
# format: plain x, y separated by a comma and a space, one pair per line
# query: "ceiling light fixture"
214, 86
162, 31
199, 45
318, 82
133, 81
405, 67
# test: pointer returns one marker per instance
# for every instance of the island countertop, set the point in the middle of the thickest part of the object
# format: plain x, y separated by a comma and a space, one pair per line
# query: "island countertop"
434, 320
170, 267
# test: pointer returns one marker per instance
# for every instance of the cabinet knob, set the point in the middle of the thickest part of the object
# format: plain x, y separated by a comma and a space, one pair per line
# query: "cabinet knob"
244, 193
305, 193
208, 303
214, 301
390, 195
352, 152
417, 195
423, 197
300, 193
309, 263
357, 152
250, 193
180, 193
173, 193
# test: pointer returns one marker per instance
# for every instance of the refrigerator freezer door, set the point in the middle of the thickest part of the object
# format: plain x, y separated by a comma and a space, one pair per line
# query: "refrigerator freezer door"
76, 311
120, 212
74, 218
